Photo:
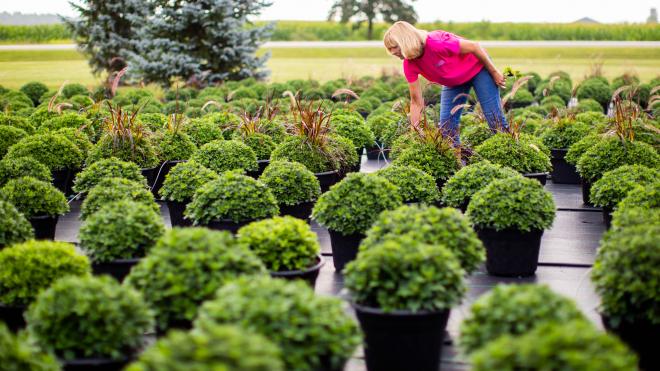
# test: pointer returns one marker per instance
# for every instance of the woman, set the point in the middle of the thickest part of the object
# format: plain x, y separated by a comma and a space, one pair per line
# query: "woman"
452, 61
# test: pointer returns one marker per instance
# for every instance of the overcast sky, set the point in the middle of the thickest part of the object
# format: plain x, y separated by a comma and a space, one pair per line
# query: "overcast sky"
559, 11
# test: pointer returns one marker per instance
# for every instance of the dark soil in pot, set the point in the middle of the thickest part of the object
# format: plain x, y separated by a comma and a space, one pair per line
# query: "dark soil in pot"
150, 173
301, 211
642, 337
96, 364
586, 190
310, 274
263, 164
44, 226
375, 152
69, 184
344, 248
562, 171
118, 268
228, 225
541, 177
12, 315
60, 179
402, 340
161, 173
607, 216
326, 179
510, 252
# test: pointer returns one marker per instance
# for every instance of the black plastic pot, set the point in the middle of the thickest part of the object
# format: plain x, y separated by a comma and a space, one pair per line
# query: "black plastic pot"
562, 171
161, 173
150, 173
262, 167
96, 364
375, 152
363, 114
174, 324
440, 183
118, 268
510, 105
69, 184
310, 274
301, 211
176, 213
344, 248
228, 225
541, 177
326, 179
586, 190
641, 337
12, 315
355, 168
510, 252
402, 340
463, 207
44, 227
60, 179
607, 216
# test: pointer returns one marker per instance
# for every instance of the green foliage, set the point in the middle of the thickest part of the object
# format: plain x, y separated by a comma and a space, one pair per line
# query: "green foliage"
17, 122
581, 147
12, 168
379, 123
18, 353
589, 105
282, 243
9, 136
261, 144
203, 132
564, 134
40, 116
516, 202
67, 120
74, 89
155, 121
107, 168
52, 150
109, 190
186, 267
14, 228
515, 310
182, 181
633, 216
29, 268
141, 152
476, 134
89, 317
596, 90
305, 326
34, 90
413, 184
440, 163
352, 205
460, 188
223, 155
34, 197
291, 183
314, 158
520, 155
354, 129
176, 146
232, 196
613, 152
344, 150
80, 139
647, 196
522, 96
559, 87
614, 185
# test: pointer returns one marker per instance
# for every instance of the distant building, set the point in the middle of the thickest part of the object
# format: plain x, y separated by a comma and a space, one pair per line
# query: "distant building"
653, 18
586, 20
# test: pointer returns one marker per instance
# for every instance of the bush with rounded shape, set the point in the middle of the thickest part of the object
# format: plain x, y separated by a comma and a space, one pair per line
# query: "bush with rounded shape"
354, 129
591, 118
523, 155
413, 184
512, 203
440, 163
67, 120
595, 90
19, 353
291, 183
261, 144
34, 90
633, 216
403, 273
611, 153
647, 196
182, 181
115, 189
144, 156
306, 327
243, 92
580, 147
559, 87
16, 99
223, 155
211, 348
460, 188
34, 197
522, 96
9, 136
186, 267
343, 149
70, 90
614, 186
52, 150
574, 345
14, 228
176, 146
12, 168
123, 229
155, 121
513, 309
589, 105
17, 122
80, 139
89, 317
311, 156
565, 133
232, 196
203, 132
41, 115
379, 123
476, 134
352, 205
282, 243
185, 94
29, 268
107, 168
553, 99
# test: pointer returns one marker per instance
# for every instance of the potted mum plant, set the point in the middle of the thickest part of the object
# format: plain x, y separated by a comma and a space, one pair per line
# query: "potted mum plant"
575, 153
256, 133
414, 185
287, 246
9, 136
89, 322
460, 188
107, 168
510, 216
185, 268
34, 266
404, 328
349, 209
40, 202
324, 336
118, 235
230, 202
202, 132
115, 189
559, 137
175, 147
14, 228
295, 188
344, 150
225, 155
432, 153
20, 353
356, 130
12, 168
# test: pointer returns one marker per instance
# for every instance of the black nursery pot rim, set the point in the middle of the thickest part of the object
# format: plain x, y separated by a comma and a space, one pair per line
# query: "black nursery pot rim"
123, 260
232, 220
93, 361
327, 172
398, 312
149, 168
508, 229
536, 174
559, 149
19, 306
313, 268
43, 217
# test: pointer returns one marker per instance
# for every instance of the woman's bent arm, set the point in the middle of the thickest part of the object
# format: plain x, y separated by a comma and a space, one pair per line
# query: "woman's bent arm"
416, 102
471, 47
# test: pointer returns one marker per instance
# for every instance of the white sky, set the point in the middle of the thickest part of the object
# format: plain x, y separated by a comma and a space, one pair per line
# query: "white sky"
559, 11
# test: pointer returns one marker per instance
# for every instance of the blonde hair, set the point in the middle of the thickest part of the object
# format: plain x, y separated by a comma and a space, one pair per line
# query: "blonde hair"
407, 37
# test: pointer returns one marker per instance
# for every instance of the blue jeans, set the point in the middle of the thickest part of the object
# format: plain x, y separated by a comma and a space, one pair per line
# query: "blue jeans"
489, 97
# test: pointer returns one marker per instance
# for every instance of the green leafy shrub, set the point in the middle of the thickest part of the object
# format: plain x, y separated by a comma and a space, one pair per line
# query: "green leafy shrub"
261, 144
182, 181
581, 147
14, 228
633, 216
31, 267
625, 275
513, 309
553, 99
611, 153
9, 136
89, 317
311, 156
590, 117
405, 274
176, 146
522, 96
438, 163
141, 152
574, 345
80, 139
352, 205
343, 149
109, 190
70, 90
589, 105
186, 267
211, 348
107, 168
34, 90
596, 90
232, 196
20, 353
647, 196
154, 121
16, 99
223, 155
305, 326
203, 132
282, 243
460, 188
413, 184
379, 123
34, 197
477, 134
67, 120
354, 129
564, 134
559, 87
17, 122
120, 230
614, 185
522, 155
52, 150
516, 202
291, 183
12, 168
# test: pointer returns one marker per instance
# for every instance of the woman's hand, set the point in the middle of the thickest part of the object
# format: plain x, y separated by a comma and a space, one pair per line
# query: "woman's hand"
499, 79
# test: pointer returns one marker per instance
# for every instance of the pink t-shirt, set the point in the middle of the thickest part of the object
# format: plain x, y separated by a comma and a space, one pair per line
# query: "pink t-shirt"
442, 62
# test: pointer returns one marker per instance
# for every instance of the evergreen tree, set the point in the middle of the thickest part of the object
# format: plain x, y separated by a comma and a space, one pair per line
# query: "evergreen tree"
199, 39
367, 10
